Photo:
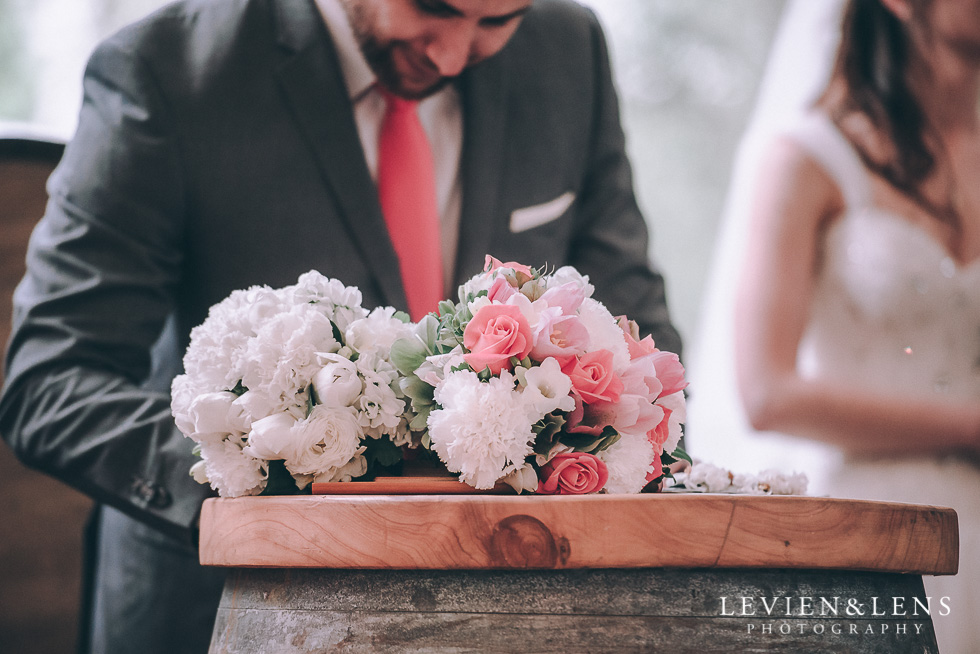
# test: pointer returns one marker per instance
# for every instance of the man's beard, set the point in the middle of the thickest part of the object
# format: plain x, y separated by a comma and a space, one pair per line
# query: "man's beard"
380, 59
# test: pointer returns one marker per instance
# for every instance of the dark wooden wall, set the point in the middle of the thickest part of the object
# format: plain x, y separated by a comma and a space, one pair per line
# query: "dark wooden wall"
41, 520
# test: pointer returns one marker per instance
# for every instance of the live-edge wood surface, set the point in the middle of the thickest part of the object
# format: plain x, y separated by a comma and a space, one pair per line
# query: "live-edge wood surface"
568, 532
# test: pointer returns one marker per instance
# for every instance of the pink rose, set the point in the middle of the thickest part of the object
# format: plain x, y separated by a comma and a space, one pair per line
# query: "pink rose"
572, 473
495, 334
593, 378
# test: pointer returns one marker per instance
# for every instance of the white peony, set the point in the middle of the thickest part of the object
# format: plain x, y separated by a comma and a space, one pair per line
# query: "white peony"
480, 431
216, 412
337, 383
258, 404
328, 438
271, 438
354, 468
629, 461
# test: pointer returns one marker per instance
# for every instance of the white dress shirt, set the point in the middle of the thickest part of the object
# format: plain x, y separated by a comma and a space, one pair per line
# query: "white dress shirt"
440, 115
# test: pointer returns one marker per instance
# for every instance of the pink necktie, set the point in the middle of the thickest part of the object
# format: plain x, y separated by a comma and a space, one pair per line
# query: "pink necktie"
407, 190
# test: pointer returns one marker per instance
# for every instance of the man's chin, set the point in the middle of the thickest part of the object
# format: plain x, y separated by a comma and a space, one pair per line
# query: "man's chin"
415, 91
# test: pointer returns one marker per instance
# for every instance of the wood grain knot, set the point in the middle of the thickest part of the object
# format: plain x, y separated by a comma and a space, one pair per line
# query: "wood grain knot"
523, 541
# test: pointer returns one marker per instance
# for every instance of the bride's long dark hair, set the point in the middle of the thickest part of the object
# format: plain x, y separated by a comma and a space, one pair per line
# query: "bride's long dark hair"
872, 62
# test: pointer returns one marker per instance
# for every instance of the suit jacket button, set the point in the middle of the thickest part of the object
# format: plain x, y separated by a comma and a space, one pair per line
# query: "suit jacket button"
161, 498
151, 494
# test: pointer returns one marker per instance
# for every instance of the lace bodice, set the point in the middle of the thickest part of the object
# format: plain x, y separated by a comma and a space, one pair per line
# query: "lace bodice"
892, 310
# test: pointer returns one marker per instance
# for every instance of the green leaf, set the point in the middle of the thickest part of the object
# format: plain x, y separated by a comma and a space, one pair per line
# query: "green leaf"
336, 333
590, 443
402, 316
381, 452
421, 420
427, 331
548, 429
422, 400
239, 389
310, 400
420, 393
281, 482
677, 455
607, 442
446, 307
407, 354
581, 442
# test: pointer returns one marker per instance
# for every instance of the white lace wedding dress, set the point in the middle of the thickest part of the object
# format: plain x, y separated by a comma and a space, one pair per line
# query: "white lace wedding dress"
893, 312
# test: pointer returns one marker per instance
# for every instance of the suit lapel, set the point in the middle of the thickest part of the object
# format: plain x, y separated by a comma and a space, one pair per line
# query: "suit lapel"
483, 92
312, 83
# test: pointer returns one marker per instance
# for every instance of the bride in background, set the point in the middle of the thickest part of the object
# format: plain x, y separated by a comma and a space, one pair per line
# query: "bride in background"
855, 243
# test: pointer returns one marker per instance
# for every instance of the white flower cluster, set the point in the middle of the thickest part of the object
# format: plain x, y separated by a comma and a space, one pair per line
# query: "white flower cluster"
266, 379
707, 478
481, 431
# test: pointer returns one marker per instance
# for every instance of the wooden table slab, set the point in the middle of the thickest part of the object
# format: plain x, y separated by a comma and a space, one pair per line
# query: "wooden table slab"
571, 532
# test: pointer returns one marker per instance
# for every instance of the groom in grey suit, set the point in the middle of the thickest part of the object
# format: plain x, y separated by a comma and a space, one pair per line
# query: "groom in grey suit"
225, 143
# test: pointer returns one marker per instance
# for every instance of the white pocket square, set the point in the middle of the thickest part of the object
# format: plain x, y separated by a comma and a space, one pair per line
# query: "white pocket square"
530, 217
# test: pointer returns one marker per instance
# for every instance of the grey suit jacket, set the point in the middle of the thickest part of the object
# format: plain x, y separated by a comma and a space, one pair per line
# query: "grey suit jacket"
217, 149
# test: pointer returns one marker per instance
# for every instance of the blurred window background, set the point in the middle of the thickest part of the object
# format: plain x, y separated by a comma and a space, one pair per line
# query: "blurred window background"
687, 71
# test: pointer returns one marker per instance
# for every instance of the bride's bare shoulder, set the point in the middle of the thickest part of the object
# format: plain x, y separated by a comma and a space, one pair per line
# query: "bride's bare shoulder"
793, 184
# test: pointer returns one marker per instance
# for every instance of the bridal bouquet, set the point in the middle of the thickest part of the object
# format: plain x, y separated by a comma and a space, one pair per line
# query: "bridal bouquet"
527, 380
283, 387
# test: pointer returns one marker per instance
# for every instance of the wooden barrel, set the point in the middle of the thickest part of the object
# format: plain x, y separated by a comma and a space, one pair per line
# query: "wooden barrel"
680, 573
